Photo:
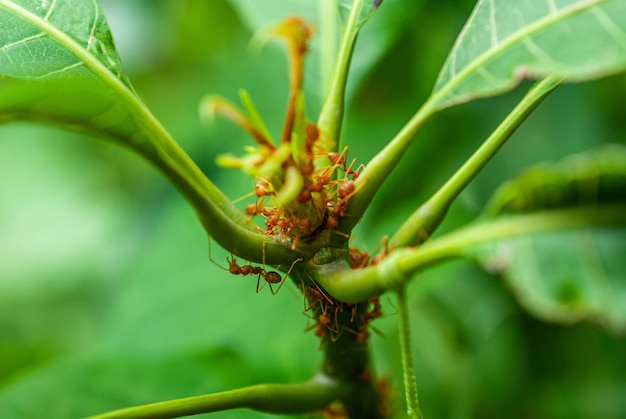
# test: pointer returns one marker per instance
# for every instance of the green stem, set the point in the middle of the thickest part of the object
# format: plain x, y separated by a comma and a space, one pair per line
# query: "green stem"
271, 398
347, 360
331, 115
380, 167
410, 386
399, 267
427, 218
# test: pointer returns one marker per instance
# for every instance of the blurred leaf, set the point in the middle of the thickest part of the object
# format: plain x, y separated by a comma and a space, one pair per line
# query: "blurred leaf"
392, 18
504, 42
178, 326
177, 300
82, 387
566, 276
597, 176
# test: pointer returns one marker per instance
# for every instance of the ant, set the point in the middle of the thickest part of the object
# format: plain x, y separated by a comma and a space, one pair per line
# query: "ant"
358, 259
270, 277
339, 162
263, 188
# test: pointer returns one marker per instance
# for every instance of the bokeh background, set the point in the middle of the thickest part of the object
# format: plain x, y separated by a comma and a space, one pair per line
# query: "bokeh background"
107, 294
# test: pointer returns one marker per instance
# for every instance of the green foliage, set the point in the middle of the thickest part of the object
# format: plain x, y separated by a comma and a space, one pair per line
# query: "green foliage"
570, 275
502, 44
106, 295
58, 69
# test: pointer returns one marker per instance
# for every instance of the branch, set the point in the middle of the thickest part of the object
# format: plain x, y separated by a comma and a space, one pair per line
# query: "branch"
427, 218
400, 266
270, 398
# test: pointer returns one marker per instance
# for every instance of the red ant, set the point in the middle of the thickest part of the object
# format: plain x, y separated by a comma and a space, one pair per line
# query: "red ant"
263, 188
345, 191
270, 277
339, 161
358, 259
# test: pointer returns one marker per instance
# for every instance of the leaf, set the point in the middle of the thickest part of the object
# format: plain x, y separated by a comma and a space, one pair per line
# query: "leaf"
377, 37
597, 176
59, 64
504, 42
34, 30
82, 387
569, 275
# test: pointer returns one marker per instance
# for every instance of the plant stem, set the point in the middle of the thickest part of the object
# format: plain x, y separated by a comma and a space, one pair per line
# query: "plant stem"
271, 398
400, 266
378, 169
427, 218
347, 360
410, 386
331, 115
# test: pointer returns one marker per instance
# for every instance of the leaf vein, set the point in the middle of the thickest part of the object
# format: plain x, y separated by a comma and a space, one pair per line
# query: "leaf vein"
50, 10
537, 52
21, 41
610, 26
492, 23
60, 70
443, 90
92, 32
552, 7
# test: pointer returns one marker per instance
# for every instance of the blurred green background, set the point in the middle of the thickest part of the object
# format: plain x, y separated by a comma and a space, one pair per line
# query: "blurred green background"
107, 295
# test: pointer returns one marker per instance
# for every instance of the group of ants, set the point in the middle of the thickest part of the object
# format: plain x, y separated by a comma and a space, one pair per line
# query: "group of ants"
326, 309
281, 222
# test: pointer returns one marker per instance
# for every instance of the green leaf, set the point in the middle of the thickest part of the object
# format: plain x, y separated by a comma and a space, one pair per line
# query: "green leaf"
595, 177
504, 42
73, 47
565, 276
59, 65
81, 387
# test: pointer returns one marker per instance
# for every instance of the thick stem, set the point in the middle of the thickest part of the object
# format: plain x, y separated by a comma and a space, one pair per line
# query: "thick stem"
347, 360
271, 398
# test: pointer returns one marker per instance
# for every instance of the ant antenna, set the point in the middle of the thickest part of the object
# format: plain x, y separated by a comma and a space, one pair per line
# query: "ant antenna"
211, 257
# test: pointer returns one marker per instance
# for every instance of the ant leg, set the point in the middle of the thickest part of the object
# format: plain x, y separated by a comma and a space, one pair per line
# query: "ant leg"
276, 276
260, 286
241, 198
